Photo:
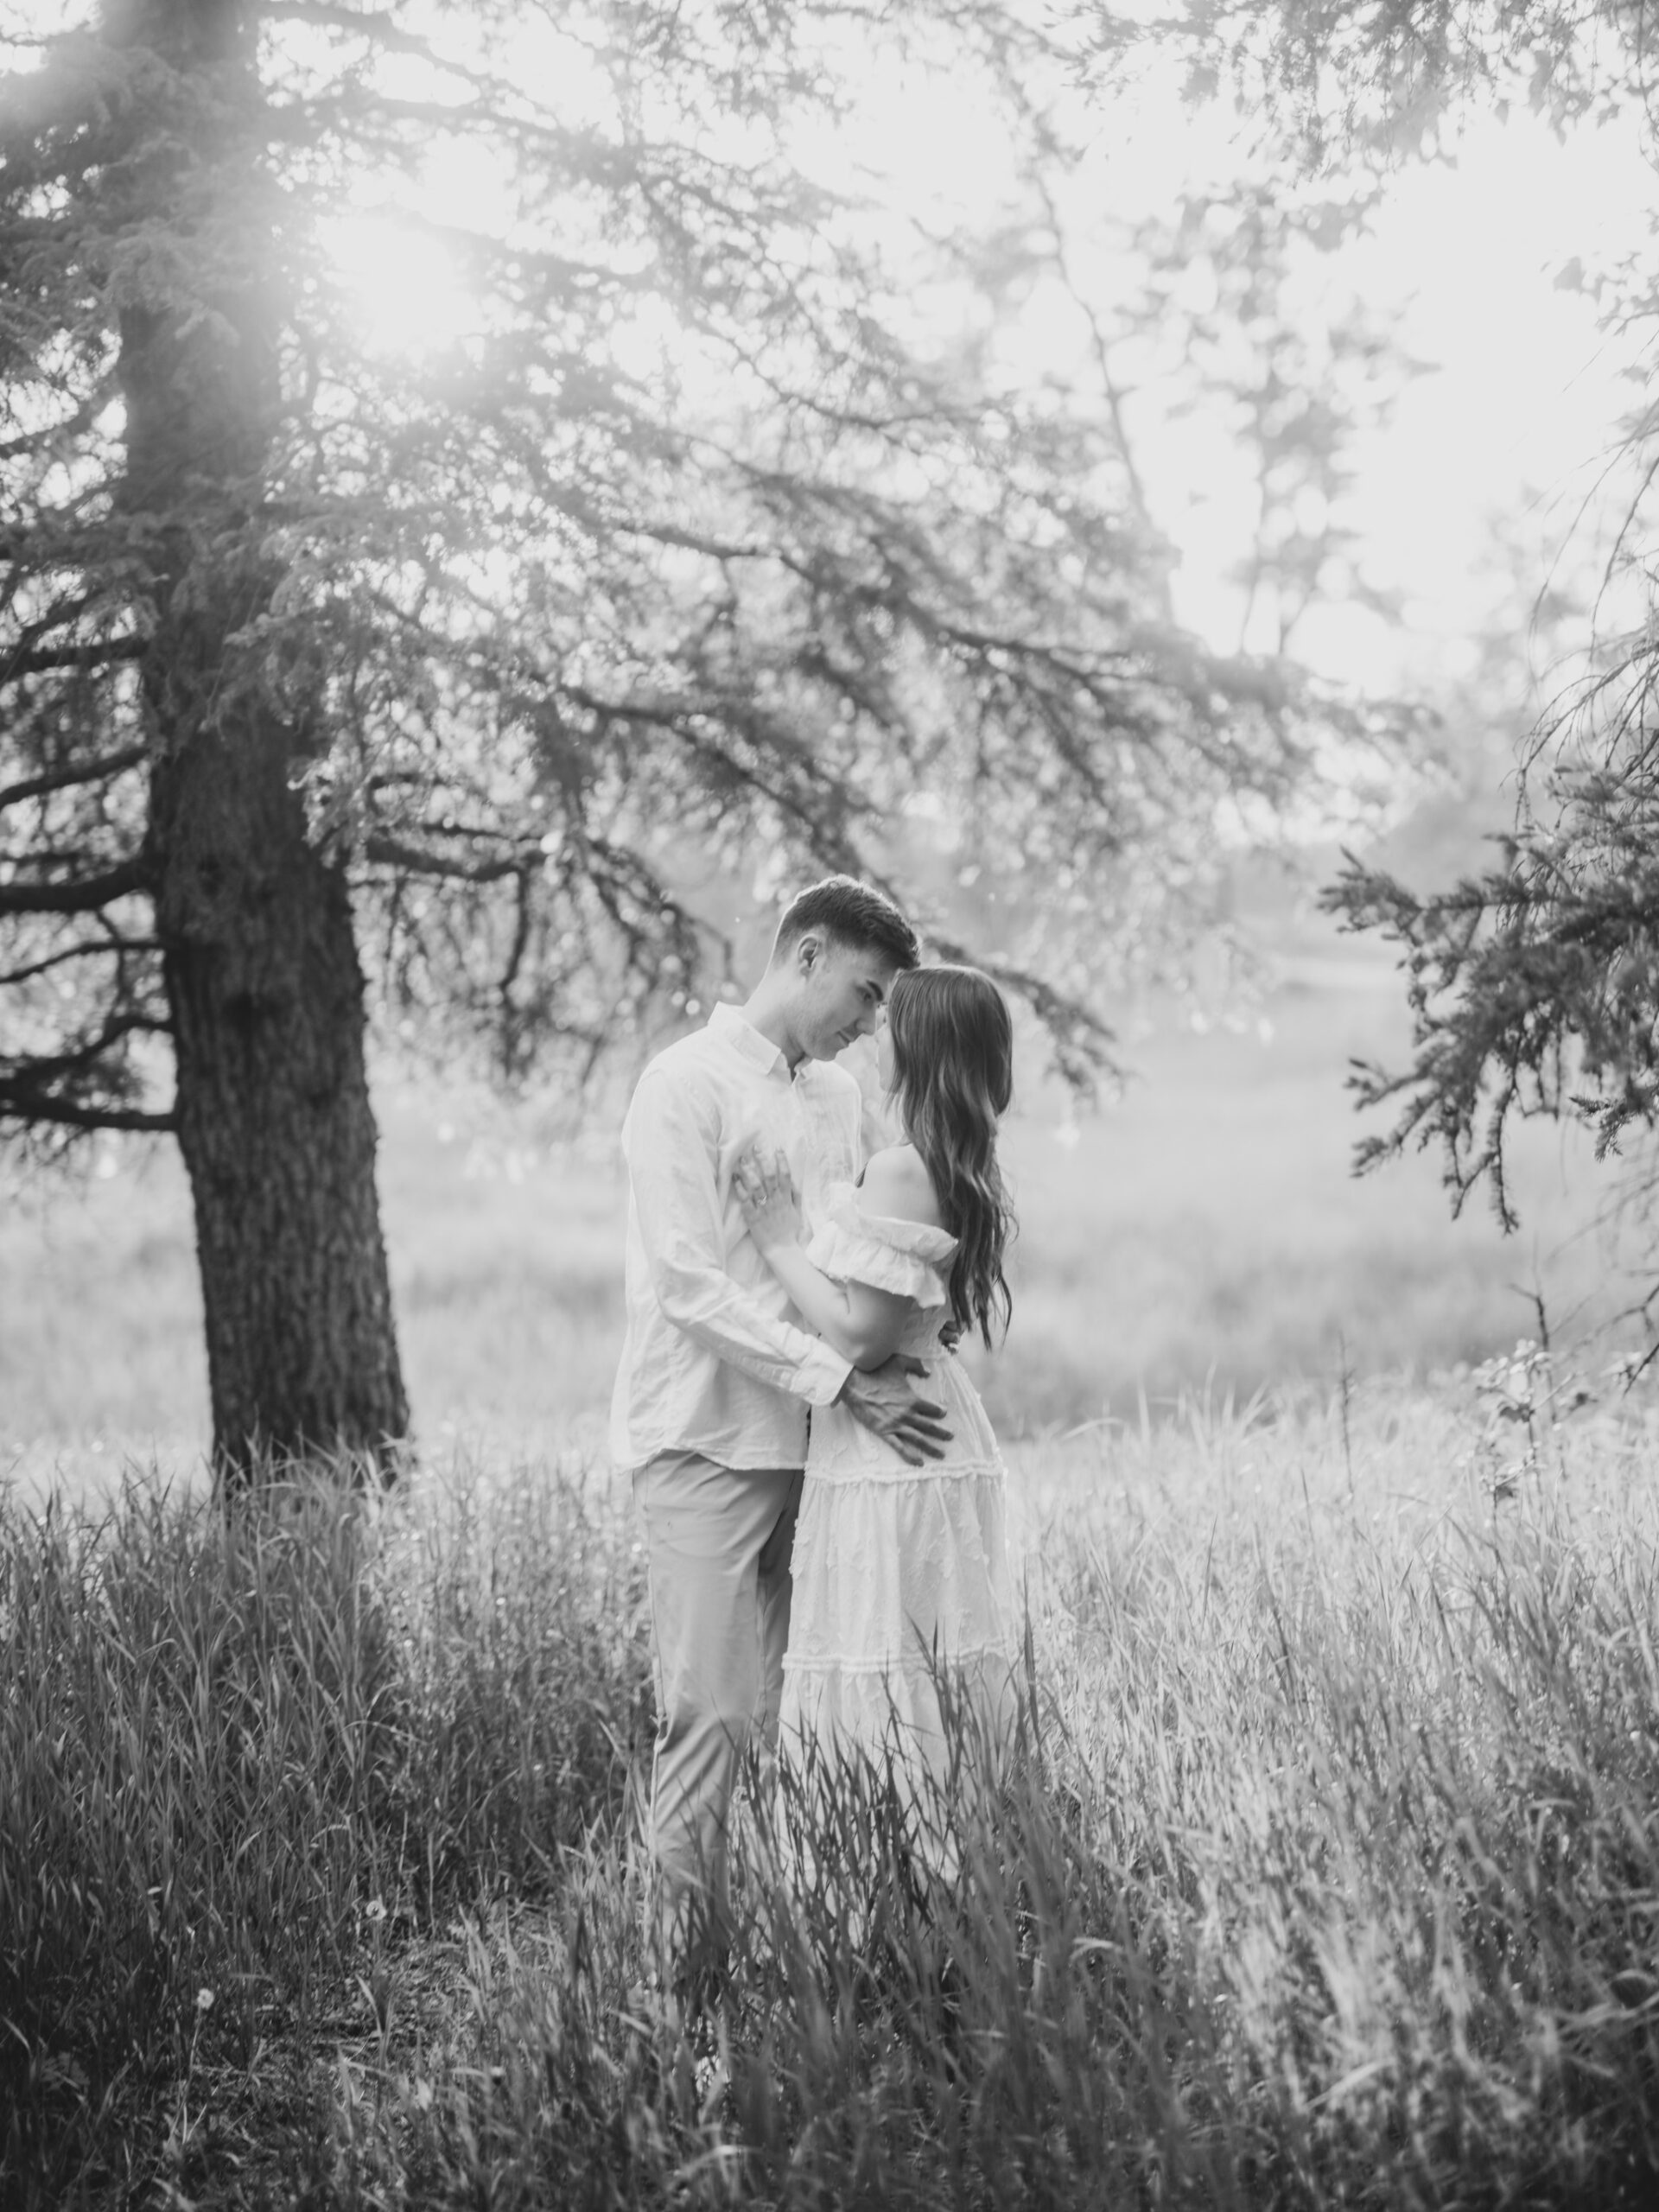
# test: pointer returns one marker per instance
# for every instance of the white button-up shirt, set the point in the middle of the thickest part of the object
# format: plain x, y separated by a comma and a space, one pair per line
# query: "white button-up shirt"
715, 1359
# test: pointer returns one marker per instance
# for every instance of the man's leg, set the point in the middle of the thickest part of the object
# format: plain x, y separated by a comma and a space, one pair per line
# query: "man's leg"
774, 1585
717, 1545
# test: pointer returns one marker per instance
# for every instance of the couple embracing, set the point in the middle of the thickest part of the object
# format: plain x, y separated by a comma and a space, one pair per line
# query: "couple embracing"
822, 1501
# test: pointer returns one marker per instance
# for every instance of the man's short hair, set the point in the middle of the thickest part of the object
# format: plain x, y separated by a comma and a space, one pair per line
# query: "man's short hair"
854, 915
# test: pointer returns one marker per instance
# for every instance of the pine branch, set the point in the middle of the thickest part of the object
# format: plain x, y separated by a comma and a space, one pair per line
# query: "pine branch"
58, 779
20, 1101
44, 1067
49, 434
112, 947
83, 898
378, 26
99, 655
392, 852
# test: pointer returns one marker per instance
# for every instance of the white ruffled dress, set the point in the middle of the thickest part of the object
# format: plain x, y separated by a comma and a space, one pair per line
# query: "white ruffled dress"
901, 1573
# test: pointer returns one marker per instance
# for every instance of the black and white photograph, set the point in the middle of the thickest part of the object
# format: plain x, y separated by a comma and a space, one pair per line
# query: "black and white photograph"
828, 1105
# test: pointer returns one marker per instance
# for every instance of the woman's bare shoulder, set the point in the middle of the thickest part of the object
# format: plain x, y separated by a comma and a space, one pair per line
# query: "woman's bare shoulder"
896, 1184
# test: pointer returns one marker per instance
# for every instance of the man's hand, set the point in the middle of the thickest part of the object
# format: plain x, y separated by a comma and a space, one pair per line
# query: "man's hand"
884, 1401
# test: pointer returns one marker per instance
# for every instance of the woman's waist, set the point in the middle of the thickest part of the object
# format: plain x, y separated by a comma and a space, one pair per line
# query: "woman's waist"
930, 1369
837, 1434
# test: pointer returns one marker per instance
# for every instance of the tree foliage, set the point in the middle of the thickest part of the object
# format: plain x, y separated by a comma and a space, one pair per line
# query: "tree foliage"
1533, 984
686, 538
1360, 80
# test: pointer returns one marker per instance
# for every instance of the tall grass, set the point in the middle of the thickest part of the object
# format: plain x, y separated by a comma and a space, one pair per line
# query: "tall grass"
1326, 1874
223, 1738
1329, 1880
191, 1742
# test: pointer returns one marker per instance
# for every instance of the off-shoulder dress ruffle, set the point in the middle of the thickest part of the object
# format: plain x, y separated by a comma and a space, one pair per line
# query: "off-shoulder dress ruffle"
906, 1257
901, 1573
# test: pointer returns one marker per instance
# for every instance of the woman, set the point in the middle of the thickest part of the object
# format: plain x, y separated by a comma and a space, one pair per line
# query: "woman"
901, 1578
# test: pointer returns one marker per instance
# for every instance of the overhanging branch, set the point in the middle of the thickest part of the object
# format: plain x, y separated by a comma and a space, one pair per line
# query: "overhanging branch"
47, 658
380, 26
59, 780
111, 947
82, 898
391, 852
40, 1068
50, 434
19, 1102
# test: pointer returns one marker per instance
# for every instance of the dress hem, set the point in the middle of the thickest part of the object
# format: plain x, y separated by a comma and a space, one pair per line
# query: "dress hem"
825, 1470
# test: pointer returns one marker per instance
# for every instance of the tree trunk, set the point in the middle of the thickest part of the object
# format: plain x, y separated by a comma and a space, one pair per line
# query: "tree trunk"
266, 997
264, 989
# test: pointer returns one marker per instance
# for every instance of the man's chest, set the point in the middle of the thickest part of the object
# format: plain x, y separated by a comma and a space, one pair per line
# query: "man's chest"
810, 1124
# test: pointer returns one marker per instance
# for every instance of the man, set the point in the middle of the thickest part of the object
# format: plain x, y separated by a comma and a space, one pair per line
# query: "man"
710, 1409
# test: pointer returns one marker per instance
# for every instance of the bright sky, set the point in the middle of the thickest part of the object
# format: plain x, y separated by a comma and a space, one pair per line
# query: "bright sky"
1521, 411
1516, 417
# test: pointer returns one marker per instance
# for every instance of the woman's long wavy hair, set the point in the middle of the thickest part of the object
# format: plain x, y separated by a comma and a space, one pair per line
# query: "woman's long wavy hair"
952, 1079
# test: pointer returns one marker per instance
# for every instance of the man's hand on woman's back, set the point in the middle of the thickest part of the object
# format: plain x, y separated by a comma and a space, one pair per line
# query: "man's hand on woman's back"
882, 1399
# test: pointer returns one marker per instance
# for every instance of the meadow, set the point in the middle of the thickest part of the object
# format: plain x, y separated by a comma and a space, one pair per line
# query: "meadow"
1324, 1872
1201, 1231
1326, 1875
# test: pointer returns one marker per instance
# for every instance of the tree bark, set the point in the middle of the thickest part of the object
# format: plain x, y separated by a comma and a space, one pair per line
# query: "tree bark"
274, 1120
264, 989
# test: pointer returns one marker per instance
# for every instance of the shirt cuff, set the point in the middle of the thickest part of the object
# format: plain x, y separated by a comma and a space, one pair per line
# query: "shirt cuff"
824, 1375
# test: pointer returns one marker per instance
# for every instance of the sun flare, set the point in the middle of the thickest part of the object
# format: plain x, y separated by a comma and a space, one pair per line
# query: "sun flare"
406, 291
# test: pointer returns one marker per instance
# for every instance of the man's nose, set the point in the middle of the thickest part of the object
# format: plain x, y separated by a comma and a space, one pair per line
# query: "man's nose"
866, 1021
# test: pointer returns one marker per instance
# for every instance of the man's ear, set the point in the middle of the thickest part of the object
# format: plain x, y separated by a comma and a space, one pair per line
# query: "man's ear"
809, 951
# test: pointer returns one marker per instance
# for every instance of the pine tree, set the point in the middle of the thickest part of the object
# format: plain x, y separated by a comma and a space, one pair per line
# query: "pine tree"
341, 679
1534, 984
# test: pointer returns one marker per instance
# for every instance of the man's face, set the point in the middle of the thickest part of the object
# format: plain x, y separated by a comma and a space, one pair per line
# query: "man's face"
843, 990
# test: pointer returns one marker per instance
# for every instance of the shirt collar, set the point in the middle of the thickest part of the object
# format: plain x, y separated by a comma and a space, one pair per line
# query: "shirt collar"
731, 1023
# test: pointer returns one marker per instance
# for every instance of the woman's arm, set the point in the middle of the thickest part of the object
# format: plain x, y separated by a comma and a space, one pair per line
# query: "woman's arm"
862, 1323
669, 1139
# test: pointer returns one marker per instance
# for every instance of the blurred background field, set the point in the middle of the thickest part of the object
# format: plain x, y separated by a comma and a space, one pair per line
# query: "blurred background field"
1204, 1230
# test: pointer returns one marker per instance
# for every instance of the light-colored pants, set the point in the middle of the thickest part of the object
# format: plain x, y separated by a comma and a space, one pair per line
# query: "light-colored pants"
717, 1544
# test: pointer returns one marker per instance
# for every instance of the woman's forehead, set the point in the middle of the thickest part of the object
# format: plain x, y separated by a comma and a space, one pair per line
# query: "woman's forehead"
865, 965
